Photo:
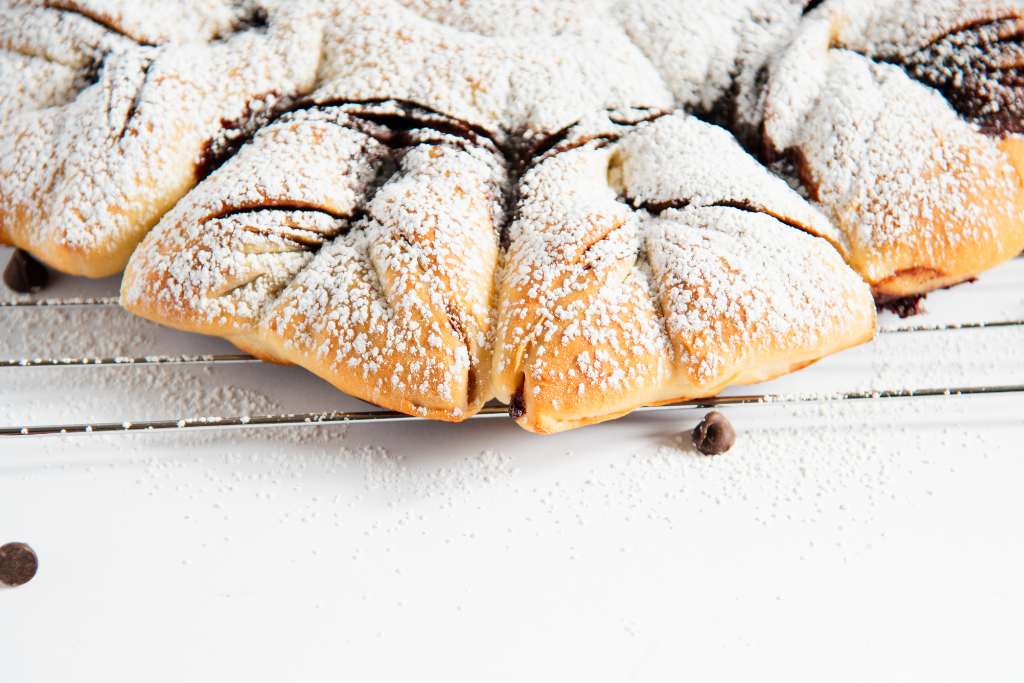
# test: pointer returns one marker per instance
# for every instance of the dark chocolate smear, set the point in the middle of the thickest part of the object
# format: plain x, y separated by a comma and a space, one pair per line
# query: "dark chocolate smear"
979, 69
70, 8
236, 132
811, 5
24, 274
903, 306
133, 108
402, 116
517, 405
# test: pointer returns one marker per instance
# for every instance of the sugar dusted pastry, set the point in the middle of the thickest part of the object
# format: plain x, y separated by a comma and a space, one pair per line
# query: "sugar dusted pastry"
902, 120
402, 205
492, 199
486, 199
111, 110
656, 262
518, 70
711, 54
361, 251
648, 261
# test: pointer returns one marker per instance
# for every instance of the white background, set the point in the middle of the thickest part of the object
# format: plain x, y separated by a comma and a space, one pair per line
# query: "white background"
876, 541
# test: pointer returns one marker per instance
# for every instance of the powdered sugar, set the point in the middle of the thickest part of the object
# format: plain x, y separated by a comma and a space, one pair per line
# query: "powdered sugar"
600, 299
894, 29
710, 53
396, 307
358, 234
968, 51
160, 21
725, 174
86, 168
905, 194
399, 297
521, 69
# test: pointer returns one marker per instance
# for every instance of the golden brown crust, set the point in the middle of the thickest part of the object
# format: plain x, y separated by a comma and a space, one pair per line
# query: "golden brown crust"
101, 133
333, 243
558, 392
604, 308
298, 250
941, 257
923, 199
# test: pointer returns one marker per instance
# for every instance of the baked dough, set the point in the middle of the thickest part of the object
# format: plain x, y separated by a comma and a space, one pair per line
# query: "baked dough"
660, 262
711, 54
110, 111
862, 105
363, 252
402, 206
490, 199
646, 257
521, 71
650, 259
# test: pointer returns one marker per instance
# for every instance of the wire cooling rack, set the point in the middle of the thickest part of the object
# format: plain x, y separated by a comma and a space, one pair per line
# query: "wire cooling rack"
490, 411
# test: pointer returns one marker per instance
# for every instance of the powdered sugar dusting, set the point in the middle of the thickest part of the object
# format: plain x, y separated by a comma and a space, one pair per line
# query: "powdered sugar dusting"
102, 134
726, 175
907, 181
601, 299
525, 68
895, 29
378, 272
395, 307
233, 250
160, 21
710, 53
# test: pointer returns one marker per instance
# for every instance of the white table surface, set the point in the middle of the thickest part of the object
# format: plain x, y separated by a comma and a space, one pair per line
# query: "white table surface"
876, 541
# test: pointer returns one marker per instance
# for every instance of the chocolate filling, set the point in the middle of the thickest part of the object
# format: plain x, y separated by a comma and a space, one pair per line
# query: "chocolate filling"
250, 17
979, 69
738, 204
404, 117
909, 306
903, 306
811, 5
402, 123
587, 256
304, 238
24, 274
133, 108
236, 132
455, 322
517, 404
553, 143
650, 114
74, 9
273, 205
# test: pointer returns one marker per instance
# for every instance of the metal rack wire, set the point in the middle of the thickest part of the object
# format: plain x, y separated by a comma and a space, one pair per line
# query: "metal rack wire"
491, 410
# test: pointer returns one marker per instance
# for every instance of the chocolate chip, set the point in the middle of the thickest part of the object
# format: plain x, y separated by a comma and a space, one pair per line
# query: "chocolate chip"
517, 406
24, 274
714, 435
18, 564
